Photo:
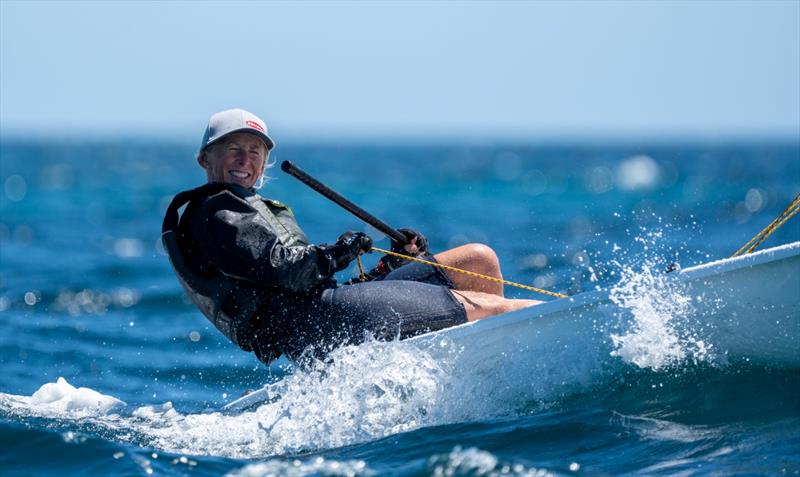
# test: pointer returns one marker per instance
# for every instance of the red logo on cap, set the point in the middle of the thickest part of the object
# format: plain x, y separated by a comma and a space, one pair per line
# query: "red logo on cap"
255, 125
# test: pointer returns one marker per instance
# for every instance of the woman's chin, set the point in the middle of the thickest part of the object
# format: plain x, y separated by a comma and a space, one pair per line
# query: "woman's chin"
246, 183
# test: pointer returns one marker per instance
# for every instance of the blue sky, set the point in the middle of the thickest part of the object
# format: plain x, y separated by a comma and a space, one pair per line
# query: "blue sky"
364, 70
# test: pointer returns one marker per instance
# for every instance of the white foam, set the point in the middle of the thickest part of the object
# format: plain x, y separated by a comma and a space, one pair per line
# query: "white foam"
660, 334
368, 392
474, 461
62, 396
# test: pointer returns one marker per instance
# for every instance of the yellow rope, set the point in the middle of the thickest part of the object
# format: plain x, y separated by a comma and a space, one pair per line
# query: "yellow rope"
361, 274
473, 274
754, 242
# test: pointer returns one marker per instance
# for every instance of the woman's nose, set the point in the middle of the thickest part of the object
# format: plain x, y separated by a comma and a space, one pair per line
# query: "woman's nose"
242, 157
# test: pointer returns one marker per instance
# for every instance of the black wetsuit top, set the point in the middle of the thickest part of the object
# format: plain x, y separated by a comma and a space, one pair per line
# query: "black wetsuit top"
235, 236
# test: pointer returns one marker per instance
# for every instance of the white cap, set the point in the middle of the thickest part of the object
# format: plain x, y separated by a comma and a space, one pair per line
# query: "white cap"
235, 121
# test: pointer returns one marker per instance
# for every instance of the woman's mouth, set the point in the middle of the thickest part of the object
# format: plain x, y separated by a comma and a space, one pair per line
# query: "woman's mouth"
239, 174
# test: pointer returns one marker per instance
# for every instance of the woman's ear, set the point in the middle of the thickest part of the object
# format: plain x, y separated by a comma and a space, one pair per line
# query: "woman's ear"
202, 159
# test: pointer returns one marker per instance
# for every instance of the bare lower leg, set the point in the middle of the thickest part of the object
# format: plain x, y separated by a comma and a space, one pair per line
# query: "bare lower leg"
483, 305
475, 258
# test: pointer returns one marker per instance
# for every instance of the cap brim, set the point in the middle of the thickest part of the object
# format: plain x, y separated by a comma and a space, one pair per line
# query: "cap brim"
268, 142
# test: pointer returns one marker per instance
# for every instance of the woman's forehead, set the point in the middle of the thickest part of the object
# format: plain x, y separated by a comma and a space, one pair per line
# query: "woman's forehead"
243, 139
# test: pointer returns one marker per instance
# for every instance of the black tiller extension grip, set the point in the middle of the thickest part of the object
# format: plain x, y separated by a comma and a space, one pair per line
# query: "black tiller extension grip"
331, 194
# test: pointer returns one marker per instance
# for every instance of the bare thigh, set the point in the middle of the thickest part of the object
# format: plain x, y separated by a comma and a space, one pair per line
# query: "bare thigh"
479, 305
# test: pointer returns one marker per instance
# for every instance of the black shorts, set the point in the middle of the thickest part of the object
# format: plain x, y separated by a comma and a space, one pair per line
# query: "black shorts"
411, 300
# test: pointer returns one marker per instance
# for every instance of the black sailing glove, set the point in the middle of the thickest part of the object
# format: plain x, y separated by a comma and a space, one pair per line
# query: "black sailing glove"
387, 263
349, 246
421, 242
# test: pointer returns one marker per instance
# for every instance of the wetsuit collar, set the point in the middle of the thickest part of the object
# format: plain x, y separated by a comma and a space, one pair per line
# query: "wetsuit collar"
240, 191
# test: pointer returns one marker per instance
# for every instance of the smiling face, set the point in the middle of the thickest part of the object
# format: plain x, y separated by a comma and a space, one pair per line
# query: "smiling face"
238, 158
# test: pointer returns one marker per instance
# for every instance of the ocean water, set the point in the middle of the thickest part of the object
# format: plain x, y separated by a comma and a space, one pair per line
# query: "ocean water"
108, 370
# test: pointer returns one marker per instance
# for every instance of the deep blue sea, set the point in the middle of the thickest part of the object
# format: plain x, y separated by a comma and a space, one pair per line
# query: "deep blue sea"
87, 295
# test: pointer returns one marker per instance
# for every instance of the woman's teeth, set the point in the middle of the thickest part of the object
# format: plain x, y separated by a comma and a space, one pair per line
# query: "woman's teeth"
239, 175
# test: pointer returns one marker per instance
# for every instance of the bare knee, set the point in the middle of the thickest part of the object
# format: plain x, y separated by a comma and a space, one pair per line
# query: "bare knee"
475, 257
483, 254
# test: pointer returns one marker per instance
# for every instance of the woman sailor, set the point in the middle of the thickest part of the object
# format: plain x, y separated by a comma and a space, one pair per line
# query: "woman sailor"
248, 266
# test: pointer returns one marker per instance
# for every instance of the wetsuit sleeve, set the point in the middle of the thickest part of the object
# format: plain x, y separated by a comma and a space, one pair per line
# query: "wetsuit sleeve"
241, 243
